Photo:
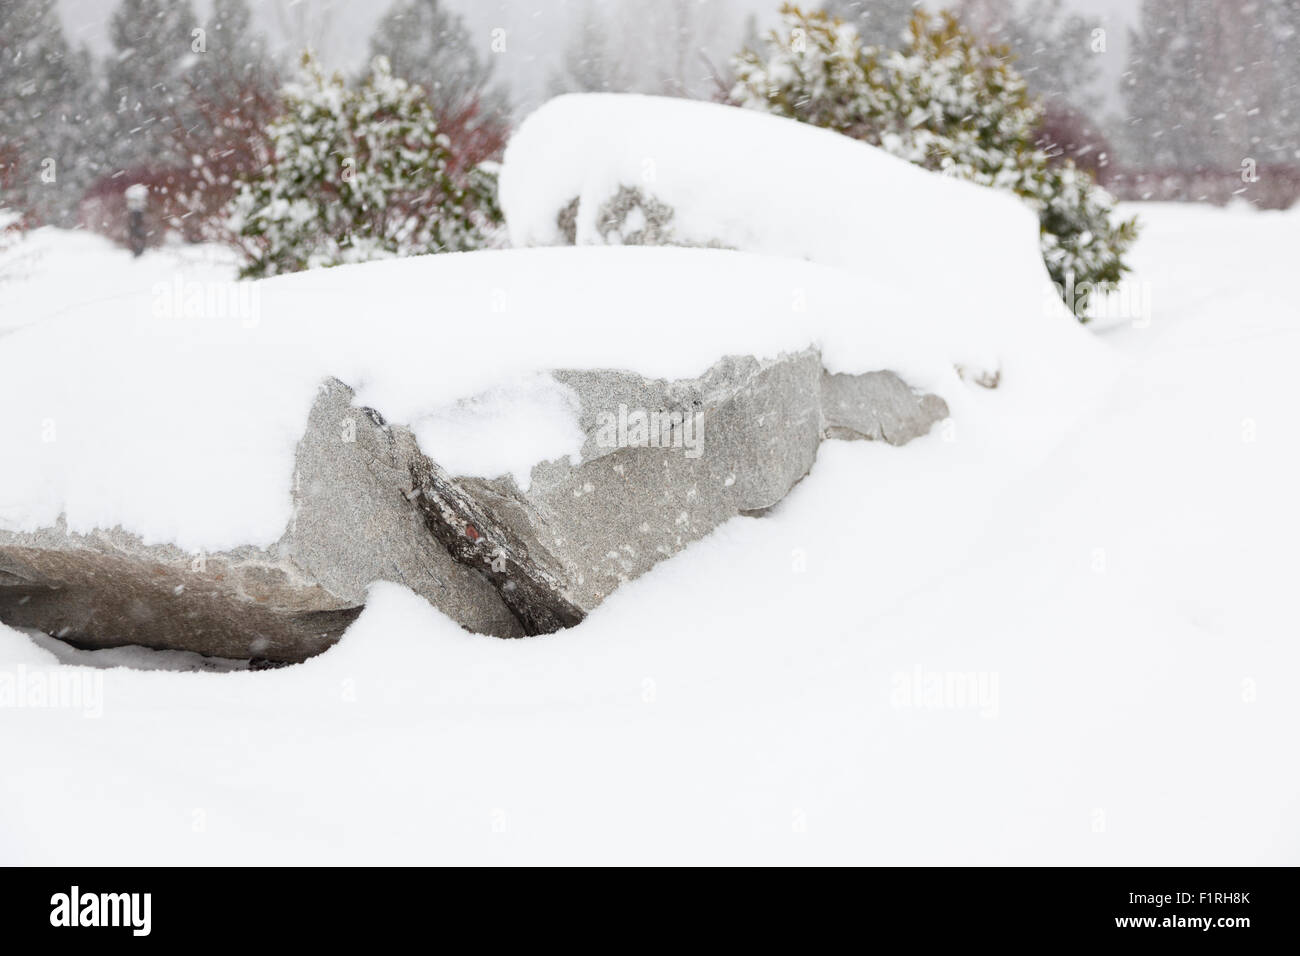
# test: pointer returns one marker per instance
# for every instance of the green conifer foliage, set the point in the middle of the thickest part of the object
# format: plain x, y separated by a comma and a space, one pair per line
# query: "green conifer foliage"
949, 103
358, 173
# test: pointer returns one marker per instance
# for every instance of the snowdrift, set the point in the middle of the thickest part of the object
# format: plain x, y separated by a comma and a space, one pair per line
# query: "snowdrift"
766, 184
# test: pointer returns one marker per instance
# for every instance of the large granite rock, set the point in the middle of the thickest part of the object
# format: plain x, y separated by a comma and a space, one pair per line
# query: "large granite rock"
878, 406
351, 525
108, 589
732, 442
664, 463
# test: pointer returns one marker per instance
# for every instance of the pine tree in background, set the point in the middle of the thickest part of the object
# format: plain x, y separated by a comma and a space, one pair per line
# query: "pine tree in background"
590, 62
235, 54
149, 74
1284, 111
1053, 48
46, 140
1211, 83
357, 174
677, 32
948, 103
219, 128
428, 44
1167, 85
657, 47
1058, 54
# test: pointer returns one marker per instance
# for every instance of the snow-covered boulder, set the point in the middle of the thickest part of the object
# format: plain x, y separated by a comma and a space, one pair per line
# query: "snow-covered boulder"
661, 465
233, 480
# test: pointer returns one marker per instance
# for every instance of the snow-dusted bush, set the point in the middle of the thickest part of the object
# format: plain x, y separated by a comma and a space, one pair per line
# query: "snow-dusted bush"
946, 102
358, 173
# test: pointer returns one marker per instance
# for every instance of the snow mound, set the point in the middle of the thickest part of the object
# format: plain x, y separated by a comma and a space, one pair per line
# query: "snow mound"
174, 411
35, 271
506, 430
766, 184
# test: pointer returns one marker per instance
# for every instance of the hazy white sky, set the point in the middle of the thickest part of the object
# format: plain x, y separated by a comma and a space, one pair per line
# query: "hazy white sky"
535, 29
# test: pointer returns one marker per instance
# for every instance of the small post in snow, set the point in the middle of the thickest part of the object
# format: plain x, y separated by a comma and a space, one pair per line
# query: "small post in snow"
137, 197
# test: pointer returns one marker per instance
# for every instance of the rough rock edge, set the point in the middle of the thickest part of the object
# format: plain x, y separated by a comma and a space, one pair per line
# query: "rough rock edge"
474, 538
282, 614
457, 513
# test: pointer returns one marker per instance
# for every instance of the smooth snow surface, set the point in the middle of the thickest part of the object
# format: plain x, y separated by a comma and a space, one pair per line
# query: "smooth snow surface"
791, 689
505, 431
51, 272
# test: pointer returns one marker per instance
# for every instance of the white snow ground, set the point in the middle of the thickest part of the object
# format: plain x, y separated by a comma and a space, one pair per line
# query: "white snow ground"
1124, 608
